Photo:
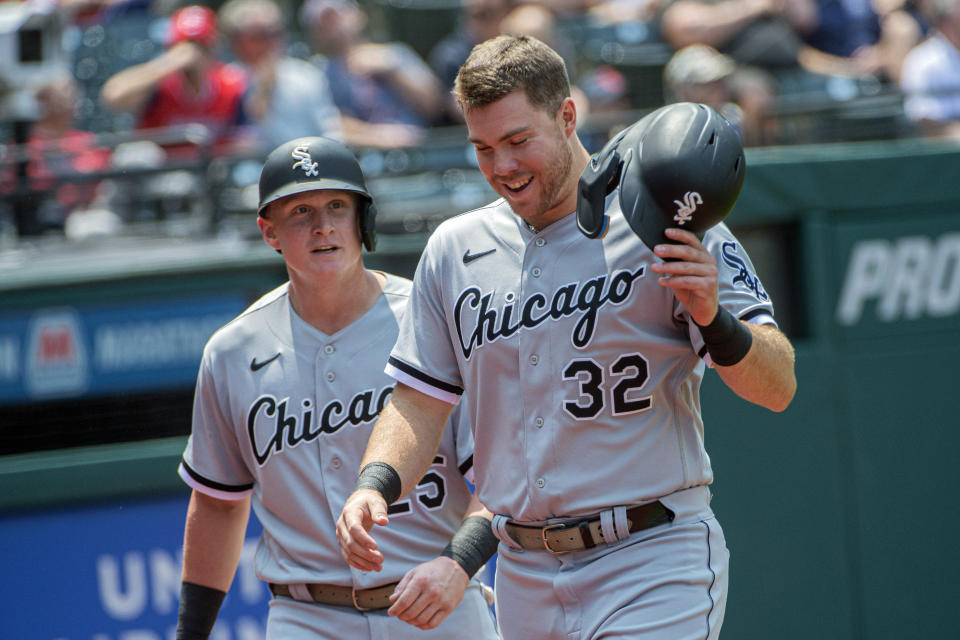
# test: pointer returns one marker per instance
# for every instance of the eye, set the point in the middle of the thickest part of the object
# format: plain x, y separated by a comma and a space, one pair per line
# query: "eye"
519, 141
339, 205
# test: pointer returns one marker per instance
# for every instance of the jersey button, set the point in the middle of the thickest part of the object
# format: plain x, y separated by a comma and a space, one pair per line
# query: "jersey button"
538, 422
536, 272
534, 359
331, 376
541, 483
540, 242
329, 349
336, 463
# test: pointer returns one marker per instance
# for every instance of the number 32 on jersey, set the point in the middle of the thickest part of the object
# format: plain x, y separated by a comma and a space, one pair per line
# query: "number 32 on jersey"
617, 385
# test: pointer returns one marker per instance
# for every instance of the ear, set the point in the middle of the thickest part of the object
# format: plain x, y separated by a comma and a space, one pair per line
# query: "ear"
268, 232
568, 116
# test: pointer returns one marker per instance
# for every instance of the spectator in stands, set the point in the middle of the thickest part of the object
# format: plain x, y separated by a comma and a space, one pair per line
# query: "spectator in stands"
288, 97
930, 78
903, 25
803, 41
479, 20
607, 92
845, 28
762, 33
700, 73
186, 84
372, 83
617, 11
57, 151
854, 38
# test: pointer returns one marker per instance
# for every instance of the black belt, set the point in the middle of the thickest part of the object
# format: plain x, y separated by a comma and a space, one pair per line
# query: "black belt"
585, 534
359, 599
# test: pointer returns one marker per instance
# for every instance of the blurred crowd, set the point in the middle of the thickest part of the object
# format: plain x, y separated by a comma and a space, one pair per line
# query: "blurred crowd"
163, 87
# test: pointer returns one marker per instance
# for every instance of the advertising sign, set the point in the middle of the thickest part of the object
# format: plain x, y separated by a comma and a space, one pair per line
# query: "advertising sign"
112, 572
98, 350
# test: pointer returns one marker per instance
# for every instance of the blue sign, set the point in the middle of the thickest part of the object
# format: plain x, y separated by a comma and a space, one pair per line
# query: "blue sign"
112, 572
97, 350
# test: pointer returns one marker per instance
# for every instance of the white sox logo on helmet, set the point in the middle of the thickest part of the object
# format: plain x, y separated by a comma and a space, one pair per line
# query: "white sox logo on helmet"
686, 208
304, 161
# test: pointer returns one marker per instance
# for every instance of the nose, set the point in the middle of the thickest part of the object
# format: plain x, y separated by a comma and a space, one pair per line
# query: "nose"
504, 162
321, 222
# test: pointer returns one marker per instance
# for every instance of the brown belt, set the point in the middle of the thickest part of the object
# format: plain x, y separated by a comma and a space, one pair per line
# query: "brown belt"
359, 599
585, 534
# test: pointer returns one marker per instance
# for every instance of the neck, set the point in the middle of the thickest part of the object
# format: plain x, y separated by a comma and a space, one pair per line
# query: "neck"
194, 77
333, 305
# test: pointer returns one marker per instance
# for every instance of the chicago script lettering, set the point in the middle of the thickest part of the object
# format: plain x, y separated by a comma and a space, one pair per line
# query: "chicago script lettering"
478, 322
269, 417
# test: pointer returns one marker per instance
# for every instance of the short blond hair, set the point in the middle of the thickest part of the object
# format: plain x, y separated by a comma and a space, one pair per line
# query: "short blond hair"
506, 63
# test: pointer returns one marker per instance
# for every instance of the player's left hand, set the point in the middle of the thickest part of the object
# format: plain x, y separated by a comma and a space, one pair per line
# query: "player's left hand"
692, 275
429, 592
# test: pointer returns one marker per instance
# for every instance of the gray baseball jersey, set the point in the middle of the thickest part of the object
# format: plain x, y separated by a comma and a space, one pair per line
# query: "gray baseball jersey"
583, 372
284, 412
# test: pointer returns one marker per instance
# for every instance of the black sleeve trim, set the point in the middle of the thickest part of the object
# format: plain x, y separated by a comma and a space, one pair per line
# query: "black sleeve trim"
419, 375
466, 465
750, 315
233, 488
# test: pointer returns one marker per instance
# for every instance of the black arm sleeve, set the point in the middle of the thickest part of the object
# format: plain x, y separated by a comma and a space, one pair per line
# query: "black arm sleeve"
199, 607
472, 545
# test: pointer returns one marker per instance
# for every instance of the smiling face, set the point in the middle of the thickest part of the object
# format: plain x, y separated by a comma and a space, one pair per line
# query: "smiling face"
527, 155
317, 233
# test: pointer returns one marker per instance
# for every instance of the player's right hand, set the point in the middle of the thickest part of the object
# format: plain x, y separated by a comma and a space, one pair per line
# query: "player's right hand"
364, 508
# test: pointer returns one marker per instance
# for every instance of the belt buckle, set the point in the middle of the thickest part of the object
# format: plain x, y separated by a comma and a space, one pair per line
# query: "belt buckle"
353, 598
543, 535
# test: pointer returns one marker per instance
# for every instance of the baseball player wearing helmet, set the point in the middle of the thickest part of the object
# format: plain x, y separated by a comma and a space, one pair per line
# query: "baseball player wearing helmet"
581, 351
286, 397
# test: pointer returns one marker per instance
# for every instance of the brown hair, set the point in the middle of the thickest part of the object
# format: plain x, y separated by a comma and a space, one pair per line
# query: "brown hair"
506, 63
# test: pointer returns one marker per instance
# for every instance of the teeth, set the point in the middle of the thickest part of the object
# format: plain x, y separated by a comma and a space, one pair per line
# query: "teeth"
517, 185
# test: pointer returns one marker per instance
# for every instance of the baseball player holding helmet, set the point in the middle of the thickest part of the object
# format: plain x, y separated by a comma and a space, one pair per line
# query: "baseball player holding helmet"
581, 347
286, 397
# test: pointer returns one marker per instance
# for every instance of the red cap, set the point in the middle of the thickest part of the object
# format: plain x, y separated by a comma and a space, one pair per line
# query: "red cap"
192, 23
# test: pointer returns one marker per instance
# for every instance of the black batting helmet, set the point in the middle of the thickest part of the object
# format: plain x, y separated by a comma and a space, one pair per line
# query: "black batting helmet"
680, 166
309, 164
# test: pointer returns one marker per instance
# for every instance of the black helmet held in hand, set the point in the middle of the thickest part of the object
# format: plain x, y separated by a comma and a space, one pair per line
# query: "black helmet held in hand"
681, 165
